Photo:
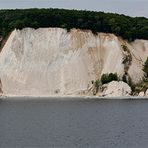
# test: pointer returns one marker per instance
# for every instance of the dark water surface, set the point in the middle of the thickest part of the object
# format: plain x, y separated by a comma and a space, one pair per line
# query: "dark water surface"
68, 124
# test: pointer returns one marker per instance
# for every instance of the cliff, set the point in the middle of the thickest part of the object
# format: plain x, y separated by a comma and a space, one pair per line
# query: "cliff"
52, 61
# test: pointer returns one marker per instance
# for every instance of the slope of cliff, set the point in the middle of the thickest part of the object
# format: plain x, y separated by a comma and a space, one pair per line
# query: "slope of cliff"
52, 61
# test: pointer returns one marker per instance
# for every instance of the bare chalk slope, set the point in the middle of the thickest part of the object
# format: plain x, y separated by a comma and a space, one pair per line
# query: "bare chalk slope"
52, 61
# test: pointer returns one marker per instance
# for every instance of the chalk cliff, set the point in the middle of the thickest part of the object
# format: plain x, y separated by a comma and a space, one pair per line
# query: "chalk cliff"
52, 61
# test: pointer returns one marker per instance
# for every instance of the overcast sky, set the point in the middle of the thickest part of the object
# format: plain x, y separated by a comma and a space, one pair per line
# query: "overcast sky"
128, 7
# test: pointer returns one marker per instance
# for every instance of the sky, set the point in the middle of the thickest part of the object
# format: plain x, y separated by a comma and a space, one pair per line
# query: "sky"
127, 7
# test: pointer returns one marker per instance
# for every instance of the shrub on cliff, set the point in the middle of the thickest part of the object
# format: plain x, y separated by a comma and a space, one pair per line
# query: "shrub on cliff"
145, 69
106, 78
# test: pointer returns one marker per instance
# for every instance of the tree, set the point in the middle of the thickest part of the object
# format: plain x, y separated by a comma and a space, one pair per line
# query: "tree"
121, 25
19, 24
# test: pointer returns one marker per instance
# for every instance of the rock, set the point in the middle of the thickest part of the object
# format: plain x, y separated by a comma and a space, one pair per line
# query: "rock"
141, 94
146, 94
117, 89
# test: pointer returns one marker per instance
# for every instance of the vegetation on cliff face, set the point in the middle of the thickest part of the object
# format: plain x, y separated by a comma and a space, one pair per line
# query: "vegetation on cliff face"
105, 79
127, 61
121, 25
146, 69
143, 86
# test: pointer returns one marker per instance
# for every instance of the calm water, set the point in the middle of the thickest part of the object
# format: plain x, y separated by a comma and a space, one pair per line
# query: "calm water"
68, 124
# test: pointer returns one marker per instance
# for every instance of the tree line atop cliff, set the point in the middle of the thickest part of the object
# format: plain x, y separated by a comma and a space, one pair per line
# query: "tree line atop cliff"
127, 27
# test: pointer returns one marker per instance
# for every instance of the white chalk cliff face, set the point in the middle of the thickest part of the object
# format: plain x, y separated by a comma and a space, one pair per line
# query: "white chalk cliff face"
52, 61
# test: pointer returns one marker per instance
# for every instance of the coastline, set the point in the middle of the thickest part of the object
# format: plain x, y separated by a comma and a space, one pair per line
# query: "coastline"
68, 98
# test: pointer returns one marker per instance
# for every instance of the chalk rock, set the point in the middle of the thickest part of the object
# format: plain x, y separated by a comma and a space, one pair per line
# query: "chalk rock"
141, 94
117, 89
52, 61
146, 94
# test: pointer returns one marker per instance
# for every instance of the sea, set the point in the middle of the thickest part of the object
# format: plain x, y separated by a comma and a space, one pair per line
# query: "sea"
55, 123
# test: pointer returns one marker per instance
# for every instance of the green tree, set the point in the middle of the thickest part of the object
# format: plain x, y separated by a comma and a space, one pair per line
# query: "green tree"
127, 27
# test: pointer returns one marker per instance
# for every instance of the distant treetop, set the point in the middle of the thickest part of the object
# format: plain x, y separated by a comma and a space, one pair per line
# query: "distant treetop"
127, 27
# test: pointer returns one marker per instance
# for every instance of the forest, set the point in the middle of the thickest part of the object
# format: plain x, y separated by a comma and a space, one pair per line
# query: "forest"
129, 28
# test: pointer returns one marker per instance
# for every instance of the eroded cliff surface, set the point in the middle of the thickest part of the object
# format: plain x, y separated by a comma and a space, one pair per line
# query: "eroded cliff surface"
52, 61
